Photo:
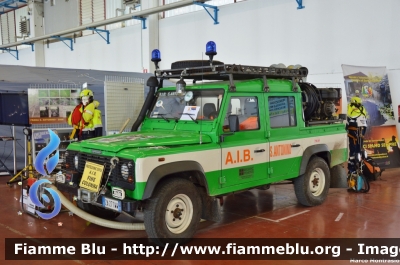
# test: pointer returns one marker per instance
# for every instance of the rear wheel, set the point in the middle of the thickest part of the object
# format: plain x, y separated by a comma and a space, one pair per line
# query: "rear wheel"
312, 187
173, 213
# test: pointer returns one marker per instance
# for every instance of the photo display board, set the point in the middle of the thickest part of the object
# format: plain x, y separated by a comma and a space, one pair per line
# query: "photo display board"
380, 139
14, 109
51, 106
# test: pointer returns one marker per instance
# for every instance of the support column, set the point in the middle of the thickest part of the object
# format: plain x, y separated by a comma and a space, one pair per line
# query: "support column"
36, 11
150, 36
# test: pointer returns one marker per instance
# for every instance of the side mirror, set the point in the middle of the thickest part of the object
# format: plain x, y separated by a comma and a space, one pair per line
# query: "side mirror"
233, 121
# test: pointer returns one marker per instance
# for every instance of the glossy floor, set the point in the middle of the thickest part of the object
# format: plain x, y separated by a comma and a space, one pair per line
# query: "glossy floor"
273, 213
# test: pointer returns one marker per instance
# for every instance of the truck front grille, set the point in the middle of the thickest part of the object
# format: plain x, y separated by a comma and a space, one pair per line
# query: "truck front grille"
115, 179
101, 160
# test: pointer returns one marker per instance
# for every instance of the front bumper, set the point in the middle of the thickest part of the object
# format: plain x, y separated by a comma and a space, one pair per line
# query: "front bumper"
127, 205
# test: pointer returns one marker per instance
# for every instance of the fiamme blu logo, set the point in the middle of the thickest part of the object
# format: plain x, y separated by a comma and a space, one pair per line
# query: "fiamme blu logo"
44, 164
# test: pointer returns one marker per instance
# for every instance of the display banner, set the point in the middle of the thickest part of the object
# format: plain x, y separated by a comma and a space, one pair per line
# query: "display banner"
380, 140
51, 106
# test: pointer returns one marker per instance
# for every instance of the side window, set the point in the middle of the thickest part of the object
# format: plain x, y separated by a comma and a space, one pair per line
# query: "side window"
282, 112
209, 107
247, 110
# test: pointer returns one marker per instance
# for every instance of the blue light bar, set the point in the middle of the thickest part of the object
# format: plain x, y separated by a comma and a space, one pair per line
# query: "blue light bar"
211, 48
155, 55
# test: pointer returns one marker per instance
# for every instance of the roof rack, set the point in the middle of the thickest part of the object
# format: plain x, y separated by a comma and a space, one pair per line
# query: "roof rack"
232, 72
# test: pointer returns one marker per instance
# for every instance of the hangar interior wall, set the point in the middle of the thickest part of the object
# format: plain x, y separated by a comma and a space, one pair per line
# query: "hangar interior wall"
322, 36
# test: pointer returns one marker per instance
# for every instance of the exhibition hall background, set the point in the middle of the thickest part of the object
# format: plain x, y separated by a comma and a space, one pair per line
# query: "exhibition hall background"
322, 36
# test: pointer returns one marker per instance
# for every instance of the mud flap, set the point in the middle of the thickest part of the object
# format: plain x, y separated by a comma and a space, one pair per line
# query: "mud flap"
338, 177
211, 209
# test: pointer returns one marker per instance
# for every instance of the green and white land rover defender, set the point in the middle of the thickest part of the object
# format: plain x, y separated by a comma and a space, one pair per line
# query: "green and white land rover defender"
235, 128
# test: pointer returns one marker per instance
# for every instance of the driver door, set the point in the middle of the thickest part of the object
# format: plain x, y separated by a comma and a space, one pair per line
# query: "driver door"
245, 155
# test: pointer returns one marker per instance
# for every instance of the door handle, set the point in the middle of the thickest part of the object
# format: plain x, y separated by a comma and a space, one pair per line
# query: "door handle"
259, 150
295, 145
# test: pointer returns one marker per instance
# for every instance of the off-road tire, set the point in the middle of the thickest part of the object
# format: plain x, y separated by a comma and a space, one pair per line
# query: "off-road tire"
97, 211
338, 177
193, 63
312, 187
173, 213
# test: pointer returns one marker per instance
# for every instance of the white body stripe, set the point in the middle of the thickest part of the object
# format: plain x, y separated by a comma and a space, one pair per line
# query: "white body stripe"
211, 160
337, 141
240, 156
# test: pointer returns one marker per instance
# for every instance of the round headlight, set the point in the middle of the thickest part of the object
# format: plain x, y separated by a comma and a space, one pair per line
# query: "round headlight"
76, 161
359, 157
124, 171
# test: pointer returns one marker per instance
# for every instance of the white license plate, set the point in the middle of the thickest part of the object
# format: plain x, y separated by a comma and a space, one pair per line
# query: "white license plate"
60, 178
118, 193
111, 204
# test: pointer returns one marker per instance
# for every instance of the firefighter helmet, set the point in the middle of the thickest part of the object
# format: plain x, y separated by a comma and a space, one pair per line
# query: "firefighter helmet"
86, 96
356, 100
86, 92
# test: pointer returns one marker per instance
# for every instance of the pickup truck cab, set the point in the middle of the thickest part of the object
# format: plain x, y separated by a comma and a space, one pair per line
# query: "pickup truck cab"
197, 143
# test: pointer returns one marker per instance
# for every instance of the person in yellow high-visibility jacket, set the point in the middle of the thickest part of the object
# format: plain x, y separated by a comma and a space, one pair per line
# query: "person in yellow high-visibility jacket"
97, 124
82, 117
356, 127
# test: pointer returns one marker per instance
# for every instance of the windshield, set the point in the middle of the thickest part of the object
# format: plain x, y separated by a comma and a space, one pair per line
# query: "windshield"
193, 105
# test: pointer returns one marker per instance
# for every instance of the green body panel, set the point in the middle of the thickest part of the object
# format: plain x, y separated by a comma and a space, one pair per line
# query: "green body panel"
338, 156
137, 194
265, 179
240, 186
213, 181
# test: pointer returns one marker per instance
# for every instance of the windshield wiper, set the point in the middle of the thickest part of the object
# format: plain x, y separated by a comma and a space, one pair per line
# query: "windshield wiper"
190, 115
162, 116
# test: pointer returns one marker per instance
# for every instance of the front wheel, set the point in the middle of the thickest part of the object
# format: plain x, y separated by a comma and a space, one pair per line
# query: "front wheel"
173, 213
312, 187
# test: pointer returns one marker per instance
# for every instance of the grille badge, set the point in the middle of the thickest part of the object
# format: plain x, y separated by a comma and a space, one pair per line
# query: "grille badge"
97, 152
